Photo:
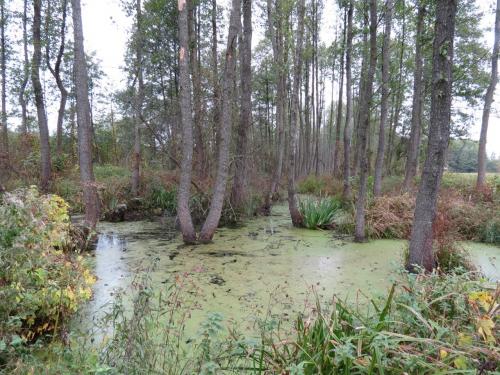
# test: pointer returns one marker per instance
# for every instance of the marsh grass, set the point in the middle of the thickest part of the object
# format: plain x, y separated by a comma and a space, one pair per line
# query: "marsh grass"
319, 213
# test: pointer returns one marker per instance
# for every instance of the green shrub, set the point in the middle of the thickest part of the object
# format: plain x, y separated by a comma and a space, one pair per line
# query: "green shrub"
490, 231
319, 213
159, 197
311, 185
40, 283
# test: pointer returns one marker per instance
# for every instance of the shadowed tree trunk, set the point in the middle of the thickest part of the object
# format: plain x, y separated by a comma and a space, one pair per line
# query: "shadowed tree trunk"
416, 112
379, 163
39, 101
295, 118
56, 71
238, 194
183, 195
339, 104
364, 125
90, 197
215, 76
4, 131
139, 99
421, 252
488, 100
346, 192
213, 217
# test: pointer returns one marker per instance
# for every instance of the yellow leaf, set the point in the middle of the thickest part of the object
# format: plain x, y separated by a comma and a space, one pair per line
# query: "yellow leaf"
443, 354
460, 363
464, 340
485, 326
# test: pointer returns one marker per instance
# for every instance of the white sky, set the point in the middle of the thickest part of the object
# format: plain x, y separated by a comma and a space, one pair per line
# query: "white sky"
106, 28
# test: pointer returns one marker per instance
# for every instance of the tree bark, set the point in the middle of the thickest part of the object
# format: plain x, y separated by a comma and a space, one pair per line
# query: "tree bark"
90, 196
346, 192
420, 250
45, 175
416, 112
364, 124
139, 99
488, 100
379, 163
339, 103
295, 119
183, 195
213, 217
238, 194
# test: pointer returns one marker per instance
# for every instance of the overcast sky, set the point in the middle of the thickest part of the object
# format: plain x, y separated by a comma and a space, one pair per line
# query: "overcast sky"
106, 28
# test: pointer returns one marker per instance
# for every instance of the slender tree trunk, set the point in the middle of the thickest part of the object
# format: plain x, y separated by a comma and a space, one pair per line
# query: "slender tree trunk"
364, 125
421, 252
183, 195
339, 104
39, 101
295, 119
416, 112
26, 73
488, 99
213, 217
56, 71
4, 136
379, 163
215, 73
139, 99
90, 196
346, 192
238, 194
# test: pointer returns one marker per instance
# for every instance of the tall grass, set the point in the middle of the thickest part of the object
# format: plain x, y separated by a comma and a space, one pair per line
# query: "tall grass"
319, 213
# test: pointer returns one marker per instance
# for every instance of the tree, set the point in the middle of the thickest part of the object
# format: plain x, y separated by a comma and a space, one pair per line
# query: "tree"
90, 197
379, 163
26, 74
295, 118
183, 194
213, 217
488, 100
4, 131
139, 99
56, 69
238, 194
39, 100
364, 125
421, 242
339, 102
346, 192
416, 111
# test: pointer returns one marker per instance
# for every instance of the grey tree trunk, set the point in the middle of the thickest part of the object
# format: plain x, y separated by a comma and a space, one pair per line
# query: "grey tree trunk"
215, 76
295, 119
364, 124
45, 175
488, 100
339, 104
379, 163
26, 73
90, 196
56, 72
183, 195
238, 194
4, 131
139, 99
346, 192
421, 251
213, 217
416, 112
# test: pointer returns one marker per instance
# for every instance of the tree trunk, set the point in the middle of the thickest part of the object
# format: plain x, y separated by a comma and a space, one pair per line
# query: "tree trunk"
295, 118
379, 163
213, 217
26, 73
364, 124
90, 196
238, 194
488, 100
416, 112
56, 72
39, 101
183, 195
4, 131
346, 192
339, 104
215, 76
421, 252
139, 99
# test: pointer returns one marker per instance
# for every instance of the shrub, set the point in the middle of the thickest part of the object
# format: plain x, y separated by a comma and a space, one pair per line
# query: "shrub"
490, 231
40, 283
159, 197
311, 185
390, 216
319, 213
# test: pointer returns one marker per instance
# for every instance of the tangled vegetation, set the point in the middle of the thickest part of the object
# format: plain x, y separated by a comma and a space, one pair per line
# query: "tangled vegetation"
42, 281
